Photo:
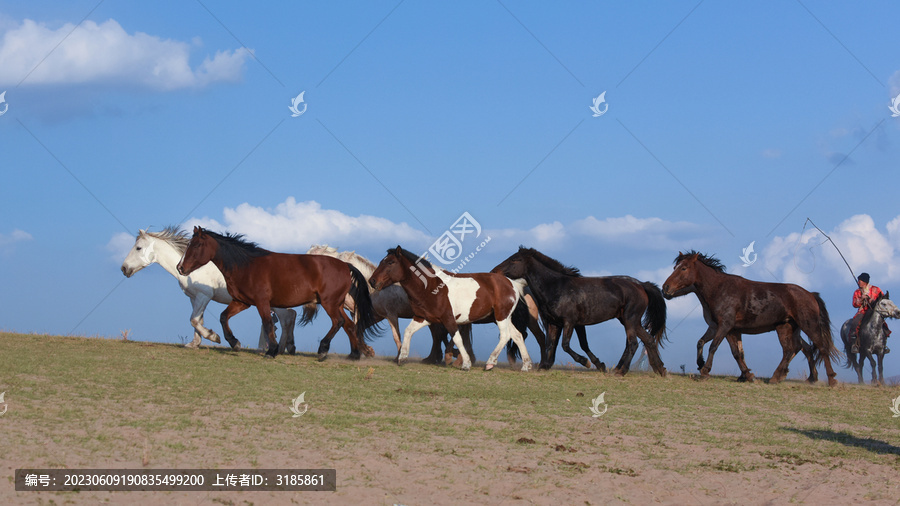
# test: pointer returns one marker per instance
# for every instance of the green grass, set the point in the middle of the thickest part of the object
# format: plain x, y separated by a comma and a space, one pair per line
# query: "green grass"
77, 401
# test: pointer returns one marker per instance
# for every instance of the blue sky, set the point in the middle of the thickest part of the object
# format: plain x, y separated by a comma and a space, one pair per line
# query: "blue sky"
727, 123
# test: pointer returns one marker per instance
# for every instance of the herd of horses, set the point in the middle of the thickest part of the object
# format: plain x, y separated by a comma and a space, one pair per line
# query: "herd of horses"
523, 290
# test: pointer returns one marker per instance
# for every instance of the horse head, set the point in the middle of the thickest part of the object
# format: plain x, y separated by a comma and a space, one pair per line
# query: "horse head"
199, 252
390, 270
886, 307
514, 267
683, 277
141, 254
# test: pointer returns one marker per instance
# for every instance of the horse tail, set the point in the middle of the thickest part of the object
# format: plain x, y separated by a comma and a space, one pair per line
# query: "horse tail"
655, 317
366, 319
309, 314
825, 332
520, 318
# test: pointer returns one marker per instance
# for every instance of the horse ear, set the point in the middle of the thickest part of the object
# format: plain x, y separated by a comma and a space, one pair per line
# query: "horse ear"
142, 233
398, 250
197, 230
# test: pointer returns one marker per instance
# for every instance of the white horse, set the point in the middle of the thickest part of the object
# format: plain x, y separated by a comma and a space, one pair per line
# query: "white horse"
203, 285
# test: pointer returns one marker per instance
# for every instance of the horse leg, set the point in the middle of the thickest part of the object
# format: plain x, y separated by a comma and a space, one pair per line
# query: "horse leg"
288, 318
807, 350
650, 345
465, 330
394, 323
874, 370
453, 329
624, 365
881, 368
553, 332
509, 331
198, 306
720, 333
265, 314
705, 338
737, 350
438, 340
416, 324
785, 333
234, 307
535, 328
566, 339
336, 313
582, 341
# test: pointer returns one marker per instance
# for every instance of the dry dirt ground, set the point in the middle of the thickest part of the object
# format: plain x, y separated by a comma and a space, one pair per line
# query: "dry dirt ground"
586, 461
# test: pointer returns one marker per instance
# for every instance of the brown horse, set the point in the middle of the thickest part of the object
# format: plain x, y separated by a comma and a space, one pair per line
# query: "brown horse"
438, 296
733, 305
258, 277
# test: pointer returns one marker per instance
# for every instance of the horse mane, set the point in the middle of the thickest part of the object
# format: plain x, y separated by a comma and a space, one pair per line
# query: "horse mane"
868, 315
351, 257
235, 251
413, 258
179, 239
550, 263
707, 260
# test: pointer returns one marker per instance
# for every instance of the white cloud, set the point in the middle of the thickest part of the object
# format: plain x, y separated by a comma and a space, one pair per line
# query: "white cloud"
16, 236
626, 231
106, 54
295, 226
120, 245
810, 261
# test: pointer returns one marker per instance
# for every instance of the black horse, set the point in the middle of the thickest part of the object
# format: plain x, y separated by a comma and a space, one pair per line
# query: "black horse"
872, 340
567, 300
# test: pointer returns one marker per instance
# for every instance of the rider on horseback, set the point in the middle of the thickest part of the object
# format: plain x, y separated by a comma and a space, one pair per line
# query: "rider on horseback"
862, 298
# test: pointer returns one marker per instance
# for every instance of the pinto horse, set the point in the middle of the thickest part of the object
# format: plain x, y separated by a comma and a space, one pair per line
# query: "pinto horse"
258, 277
437, 296
567, 301
871, 337
733, 305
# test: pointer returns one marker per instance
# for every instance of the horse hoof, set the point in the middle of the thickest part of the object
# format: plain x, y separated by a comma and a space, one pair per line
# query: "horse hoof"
354, 355
215, 338
192, 346
832, 382
662, 373
488, 367
601, 367
526, 368
466, 367
291, 350
401, 361
368, 351
321, 356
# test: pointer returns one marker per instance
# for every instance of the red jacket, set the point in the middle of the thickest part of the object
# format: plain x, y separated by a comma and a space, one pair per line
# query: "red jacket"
874, 293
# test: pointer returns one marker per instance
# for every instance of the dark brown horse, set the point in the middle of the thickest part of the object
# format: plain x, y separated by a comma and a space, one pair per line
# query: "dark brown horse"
258, 277
566, 301
438, 296
733, 305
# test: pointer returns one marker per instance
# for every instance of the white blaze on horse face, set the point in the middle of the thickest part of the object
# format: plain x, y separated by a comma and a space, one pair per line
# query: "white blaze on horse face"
461, 292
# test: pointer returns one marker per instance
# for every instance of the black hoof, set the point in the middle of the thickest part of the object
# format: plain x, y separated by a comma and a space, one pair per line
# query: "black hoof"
321, 356
354, 355
291, 350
